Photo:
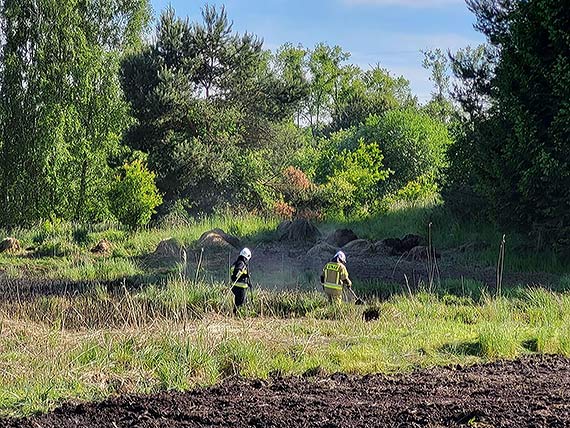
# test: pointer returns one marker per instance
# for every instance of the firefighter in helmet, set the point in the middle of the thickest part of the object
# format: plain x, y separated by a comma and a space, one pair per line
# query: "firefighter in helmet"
335, 277
240, 278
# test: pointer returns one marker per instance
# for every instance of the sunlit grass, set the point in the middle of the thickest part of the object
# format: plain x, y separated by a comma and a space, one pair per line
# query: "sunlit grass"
62, 250
181, 334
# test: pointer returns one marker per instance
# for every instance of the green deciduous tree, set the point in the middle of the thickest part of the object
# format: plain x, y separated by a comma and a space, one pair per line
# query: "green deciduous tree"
61, 105
440, 104
412, 143
365, 93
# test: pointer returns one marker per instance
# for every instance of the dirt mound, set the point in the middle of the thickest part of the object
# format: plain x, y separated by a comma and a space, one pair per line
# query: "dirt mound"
321, 253
358, 247
168, 248
381, 248
218, 239
10, 245
299, 230
341, 237
102, 247
530, 392
401, 246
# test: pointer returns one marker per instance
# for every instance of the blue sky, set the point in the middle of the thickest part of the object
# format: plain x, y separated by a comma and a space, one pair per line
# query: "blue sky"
386, 32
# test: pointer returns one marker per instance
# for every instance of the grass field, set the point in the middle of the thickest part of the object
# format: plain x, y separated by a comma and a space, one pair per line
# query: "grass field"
181, 335
173, 333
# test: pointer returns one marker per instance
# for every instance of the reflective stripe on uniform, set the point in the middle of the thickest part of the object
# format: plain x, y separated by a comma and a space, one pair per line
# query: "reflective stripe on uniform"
239, 274
333, 268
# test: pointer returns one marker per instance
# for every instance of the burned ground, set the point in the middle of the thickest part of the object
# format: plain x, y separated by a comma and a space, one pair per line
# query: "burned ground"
531, 392
298, 265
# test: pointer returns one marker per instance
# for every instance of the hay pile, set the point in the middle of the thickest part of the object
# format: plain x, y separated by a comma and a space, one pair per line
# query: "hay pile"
168, 248
102, 247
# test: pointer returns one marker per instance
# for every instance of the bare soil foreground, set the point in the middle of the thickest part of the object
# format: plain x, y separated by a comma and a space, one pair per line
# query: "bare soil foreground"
531, 392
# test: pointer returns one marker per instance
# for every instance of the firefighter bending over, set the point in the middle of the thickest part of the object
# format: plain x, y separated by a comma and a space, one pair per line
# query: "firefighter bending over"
335, 277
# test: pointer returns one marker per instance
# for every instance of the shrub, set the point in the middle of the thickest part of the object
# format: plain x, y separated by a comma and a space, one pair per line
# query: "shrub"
412, 144
423, 189
134, 196
352, 177
283, 210
296, 186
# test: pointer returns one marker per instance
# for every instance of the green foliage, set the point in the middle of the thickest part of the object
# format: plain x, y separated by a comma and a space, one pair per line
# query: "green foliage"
423, 189
335, 95
413, 144
364, 93
134, 195
402, 149
354, 178
517, 138
207, 103
62, 104
56, 247
259, 178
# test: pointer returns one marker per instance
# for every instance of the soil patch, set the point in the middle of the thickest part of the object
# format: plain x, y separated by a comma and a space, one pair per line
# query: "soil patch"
321, 253
531, 392
405, 244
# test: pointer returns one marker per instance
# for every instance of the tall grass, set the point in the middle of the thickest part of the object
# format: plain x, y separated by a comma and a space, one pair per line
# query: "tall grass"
181, 334
177, 333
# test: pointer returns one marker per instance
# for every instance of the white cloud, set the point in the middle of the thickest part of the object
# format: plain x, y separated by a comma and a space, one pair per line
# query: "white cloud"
407, 3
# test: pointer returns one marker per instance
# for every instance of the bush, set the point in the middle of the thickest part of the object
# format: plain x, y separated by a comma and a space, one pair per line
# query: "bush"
423, 189
299, 193
351, 177
413, 144
134, 196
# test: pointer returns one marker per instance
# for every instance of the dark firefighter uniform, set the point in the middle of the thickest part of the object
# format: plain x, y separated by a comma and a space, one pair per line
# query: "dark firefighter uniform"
240, 280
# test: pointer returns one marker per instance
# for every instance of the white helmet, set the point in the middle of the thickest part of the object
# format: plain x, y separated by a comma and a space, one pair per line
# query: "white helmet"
340, 256
245, 253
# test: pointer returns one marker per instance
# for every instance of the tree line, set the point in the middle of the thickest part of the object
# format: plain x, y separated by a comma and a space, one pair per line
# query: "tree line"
106, 115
